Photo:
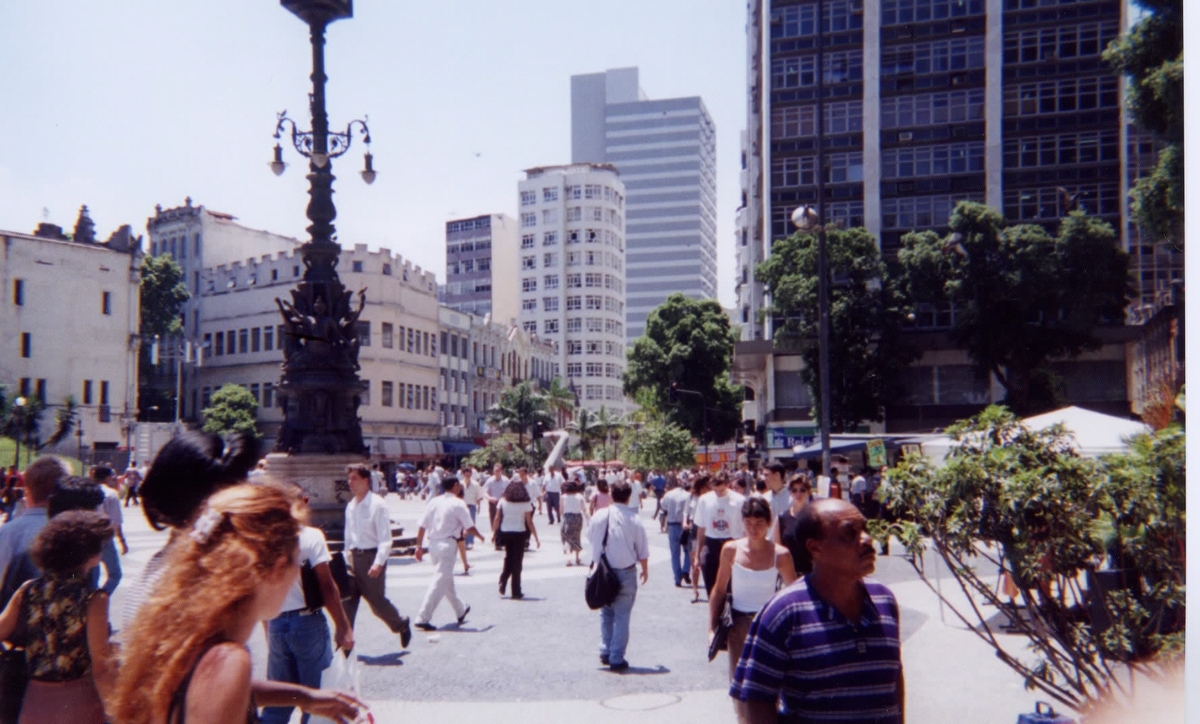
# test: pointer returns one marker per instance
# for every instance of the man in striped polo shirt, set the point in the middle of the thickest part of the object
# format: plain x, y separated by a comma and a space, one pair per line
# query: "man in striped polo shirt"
826, 648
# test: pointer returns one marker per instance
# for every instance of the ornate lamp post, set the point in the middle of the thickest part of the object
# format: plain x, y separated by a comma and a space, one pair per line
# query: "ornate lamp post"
320, 391
806, 219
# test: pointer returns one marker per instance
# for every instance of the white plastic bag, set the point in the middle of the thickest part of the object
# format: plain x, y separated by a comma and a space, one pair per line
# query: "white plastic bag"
342, 675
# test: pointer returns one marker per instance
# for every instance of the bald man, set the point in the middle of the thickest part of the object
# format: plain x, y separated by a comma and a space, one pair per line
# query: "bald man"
826, 648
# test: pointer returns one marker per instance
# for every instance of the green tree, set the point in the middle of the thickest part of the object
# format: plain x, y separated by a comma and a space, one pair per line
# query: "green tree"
503, 449
231, 409
560, 402
66, 417
866, 314
689, 343
518, 410
610, 425
1151, 55
1021, 297
20, 423
1024, 502
162, 293
658, 445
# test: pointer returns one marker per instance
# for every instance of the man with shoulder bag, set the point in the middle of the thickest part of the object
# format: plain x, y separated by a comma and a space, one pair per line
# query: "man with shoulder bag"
616, 534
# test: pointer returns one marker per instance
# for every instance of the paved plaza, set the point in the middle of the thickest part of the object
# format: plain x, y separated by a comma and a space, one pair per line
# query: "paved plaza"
535, 660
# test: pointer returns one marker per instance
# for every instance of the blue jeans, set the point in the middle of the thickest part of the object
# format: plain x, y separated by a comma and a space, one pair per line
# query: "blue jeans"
614, 619
300, 649
473, 510
681, 557
112, 567
552, 506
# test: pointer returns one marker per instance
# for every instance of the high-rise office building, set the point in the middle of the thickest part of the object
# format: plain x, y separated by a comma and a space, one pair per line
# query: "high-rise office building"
929, 102
665, 151
481, 266
572, 261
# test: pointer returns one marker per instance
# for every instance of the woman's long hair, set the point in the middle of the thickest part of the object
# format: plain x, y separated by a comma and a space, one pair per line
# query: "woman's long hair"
210, 575
516, 492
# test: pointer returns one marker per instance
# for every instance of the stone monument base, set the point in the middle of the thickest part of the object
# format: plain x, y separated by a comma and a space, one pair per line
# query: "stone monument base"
323, 477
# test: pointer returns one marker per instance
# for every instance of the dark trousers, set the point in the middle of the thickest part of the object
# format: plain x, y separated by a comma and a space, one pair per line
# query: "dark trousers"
131, 495
552, 502
710, 561
514, 558
372, 589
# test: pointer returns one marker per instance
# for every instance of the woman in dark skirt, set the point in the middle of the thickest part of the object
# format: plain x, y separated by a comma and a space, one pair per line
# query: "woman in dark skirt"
513, 526
574, 510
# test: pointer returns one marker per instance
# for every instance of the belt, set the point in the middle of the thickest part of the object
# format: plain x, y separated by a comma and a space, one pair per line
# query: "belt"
299, 612
364, 550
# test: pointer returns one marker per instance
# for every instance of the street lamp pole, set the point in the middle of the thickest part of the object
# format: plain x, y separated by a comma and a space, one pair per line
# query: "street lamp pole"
320, 391
19, 404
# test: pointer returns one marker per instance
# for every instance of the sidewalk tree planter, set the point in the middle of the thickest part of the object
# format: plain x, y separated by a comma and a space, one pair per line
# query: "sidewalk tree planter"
1023, 503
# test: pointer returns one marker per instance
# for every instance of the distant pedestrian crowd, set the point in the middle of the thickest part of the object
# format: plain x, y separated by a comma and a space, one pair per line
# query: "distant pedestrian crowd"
782, 557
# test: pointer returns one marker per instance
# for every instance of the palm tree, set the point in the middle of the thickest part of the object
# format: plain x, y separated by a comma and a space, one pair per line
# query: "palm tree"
560, 401
608, 422
585, 426
519, 409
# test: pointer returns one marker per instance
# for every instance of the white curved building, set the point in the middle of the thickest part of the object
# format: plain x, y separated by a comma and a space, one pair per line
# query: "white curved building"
571, 273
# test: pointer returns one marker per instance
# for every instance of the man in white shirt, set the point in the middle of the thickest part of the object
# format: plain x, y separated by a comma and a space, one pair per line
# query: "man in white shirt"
493, 490
777, 492
369, 540
446, 518
718, 519
533, 486
377, 485
552, 482
626, 548
472, 496
674, 505
111, 507
298, 638
635, 494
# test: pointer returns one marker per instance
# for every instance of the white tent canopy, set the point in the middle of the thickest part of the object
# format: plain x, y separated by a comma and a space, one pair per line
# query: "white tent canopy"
1095, 433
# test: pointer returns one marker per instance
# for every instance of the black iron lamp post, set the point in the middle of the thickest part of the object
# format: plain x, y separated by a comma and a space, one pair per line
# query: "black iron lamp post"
320, 391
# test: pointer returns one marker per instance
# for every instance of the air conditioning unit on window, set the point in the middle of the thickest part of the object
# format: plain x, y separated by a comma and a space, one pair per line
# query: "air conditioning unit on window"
906, 136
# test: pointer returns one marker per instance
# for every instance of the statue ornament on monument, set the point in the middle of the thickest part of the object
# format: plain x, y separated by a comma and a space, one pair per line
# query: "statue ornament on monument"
320, 391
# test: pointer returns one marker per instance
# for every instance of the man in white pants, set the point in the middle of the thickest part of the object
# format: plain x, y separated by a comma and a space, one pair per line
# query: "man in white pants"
445, 520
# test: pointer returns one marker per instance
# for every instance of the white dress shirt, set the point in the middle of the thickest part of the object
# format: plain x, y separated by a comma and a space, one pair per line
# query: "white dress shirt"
369, 526
472, 493
553, 483
445, 518
626, 537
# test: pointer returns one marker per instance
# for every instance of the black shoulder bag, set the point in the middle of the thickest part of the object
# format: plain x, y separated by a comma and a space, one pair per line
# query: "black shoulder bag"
602, 585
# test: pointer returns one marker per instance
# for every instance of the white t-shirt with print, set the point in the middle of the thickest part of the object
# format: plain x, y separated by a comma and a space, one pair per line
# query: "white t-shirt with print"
720, 517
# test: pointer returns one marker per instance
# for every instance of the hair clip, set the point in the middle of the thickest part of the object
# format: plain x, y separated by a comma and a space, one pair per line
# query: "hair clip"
205, 525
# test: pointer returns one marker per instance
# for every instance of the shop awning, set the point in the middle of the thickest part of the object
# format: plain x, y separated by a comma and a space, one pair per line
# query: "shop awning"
459, 447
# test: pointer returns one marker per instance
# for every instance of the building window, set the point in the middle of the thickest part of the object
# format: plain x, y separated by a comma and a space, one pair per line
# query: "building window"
268, 393
256, 391
574, 324
922, 212
939, 56
529, 305
574, 347
1062, 96
931, 109
528, 220
356, 266
386, 332
529, 262
528, 198
574, 303
575, 213
550, 193
19, 292
87, 392
550, 281
1038, 45
387, 270
594, 303
550, 304
268, 334
364, 334
26, 344
550, 326
243, 341
898, 12
574, 281
595, 324
103, 392
365, 396
106, 302
549, 260
219, 344
529, 284
385, 394
530, 327
1067, 148
527, 241
925, 161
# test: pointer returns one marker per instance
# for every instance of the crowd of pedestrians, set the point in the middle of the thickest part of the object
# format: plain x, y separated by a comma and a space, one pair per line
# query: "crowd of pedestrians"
808, 636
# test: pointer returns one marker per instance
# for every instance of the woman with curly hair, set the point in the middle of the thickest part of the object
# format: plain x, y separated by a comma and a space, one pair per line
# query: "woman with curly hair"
62, 620
185, 657
513, 526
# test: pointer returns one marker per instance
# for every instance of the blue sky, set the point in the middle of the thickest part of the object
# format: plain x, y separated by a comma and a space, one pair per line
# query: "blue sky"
122, 105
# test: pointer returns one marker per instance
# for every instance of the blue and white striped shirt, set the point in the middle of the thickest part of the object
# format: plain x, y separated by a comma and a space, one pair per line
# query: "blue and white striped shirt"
821, 667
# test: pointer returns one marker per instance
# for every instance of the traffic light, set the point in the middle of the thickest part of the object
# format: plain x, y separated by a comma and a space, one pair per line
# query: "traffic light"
538, 429
673, 394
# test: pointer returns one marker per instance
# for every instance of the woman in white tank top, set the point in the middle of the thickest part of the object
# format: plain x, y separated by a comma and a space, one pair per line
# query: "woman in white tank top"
750, 571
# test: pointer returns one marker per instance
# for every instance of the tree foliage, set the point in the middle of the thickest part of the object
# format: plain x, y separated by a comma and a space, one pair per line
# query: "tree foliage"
163, 293
231, 409
20, 423
866, 354
518, 410
688, 342
1151, 55
658, 445
1060, 526
503, 449
586, 427
560, 402
1021, 296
